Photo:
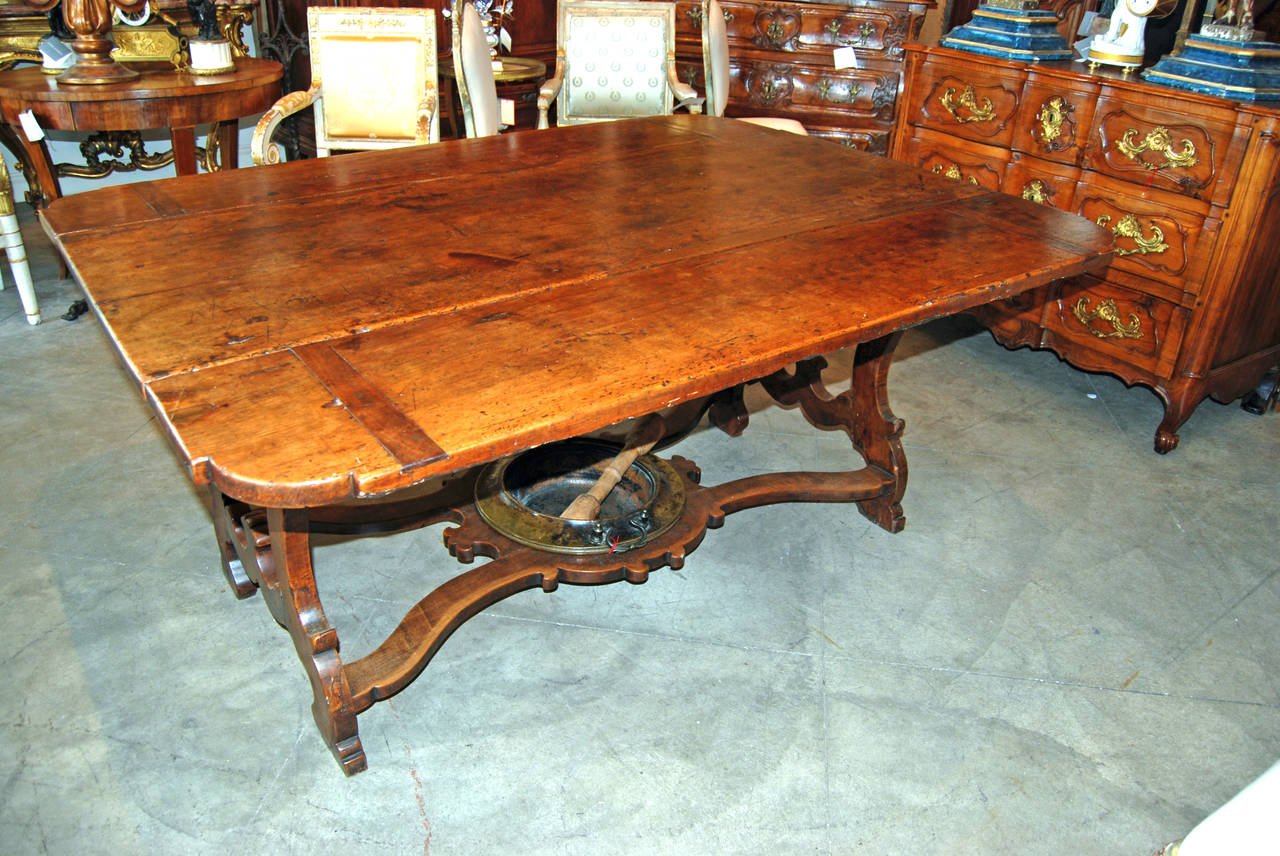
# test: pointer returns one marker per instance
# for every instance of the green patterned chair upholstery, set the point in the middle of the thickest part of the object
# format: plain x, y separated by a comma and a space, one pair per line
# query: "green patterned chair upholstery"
373, 82
614, 60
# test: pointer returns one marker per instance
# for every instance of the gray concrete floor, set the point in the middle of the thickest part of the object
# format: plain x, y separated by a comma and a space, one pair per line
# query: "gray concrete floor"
1071, 649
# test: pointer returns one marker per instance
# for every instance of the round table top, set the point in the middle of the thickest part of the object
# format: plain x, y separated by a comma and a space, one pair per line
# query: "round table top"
157, 80
161, 97
514, 69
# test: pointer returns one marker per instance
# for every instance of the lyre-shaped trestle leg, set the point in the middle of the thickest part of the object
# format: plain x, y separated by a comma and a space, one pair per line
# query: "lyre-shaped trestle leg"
875, 431
289, 585
863, 412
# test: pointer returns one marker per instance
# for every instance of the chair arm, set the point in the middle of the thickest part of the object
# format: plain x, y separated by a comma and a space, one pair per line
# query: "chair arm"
263, 150
428, 125
546, 94
686, 95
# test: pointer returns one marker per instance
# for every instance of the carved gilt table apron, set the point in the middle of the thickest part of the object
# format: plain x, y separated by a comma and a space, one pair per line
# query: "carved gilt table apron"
323, 333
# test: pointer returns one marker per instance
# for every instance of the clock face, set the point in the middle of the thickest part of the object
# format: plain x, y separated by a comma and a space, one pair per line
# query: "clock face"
1142, 8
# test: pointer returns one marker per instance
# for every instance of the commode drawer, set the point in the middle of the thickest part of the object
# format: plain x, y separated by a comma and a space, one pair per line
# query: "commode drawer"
810, 93
1183, 150
1043, 182
956, 159
969, 101
1053, 120
1090, 315
875, 32
1154, 238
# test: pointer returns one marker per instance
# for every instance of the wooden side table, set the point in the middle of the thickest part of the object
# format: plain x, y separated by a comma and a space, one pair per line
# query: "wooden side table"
162, 97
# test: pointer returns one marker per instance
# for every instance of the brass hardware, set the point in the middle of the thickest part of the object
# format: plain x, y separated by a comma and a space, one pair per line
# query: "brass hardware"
833, 27
1109, 312
1035, 192
1160, 142
1130, 228
1052, 115
695, 14
952, 172
768, 91
774, 31
969, 100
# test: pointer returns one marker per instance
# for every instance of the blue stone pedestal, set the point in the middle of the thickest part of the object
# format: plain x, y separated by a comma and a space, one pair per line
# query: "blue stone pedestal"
1245, 71
1022, 34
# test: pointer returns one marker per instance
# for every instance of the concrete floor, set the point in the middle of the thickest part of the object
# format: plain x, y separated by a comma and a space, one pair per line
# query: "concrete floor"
1071, 649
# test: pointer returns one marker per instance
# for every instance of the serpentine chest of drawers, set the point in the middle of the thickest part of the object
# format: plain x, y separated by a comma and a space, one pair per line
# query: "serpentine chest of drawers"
1188, 184
782, 62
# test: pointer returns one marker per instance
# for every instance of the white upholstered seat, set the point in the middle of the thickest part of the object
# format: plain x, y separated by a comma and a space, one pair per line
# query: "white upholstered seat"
373, 82
614, 60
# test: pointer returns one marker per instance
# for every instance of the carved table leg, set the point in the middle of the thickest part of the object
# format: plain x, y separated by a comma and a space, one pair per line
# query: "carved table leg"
289, 586
863, 412
875, 431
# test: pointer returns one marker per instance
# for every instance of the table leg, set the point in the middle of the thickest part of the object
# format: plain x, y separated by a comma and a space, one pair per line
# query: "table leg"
863, 412
184, 150
277, 562
37, 159
228, 143
289, 587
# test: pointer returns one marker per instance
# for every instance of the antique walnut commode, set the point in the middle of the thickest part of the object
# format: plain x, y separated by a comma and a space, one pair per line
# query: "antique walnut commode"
1187, 183
782, 62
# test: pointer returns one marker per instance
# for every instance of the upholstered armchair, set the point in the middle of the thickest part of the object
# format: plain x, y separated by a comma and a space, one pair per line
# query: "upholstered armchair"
473, 70
614, 60
373, 82
715, 70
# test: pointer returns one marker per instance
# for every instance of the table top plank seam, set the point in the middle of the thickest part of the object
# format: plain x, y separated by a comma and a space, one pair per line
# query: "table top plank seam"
403, 438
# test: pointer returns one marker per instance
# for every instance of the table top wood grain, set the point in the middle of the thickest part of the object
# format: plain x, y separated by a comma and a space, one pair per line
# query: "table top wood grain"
343, 327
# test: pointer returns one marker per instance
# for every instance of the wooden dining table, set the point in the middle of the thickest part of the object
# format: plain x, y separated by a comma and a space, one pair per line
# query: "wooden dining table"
344, 342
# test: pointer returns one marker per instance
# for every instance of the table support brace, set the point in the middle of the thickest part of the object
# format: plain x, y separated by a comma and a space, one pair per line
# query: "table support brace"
270, 550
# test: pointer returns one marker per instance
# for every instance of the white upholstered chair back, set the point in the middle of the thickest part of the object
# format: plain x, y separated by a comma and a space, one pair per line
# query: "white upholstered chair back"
473, 70
715, 57
716, 74
373, 81
614, 60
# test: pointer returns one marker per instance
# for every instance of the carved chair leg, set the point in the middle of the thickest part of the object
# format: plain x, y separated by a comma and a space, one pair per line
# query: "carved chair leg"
290, 585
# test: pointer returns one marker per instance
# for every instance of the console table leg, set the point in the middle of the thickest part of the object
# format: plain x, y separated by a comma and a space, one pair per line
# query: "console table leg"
184, 150
291, 583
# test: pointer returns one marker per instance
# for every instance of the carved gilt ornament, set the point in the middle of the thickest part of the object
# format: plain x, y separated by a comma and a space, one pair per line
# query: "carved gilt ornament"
1158, 141
1130, 228
969, 101
1107, 311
